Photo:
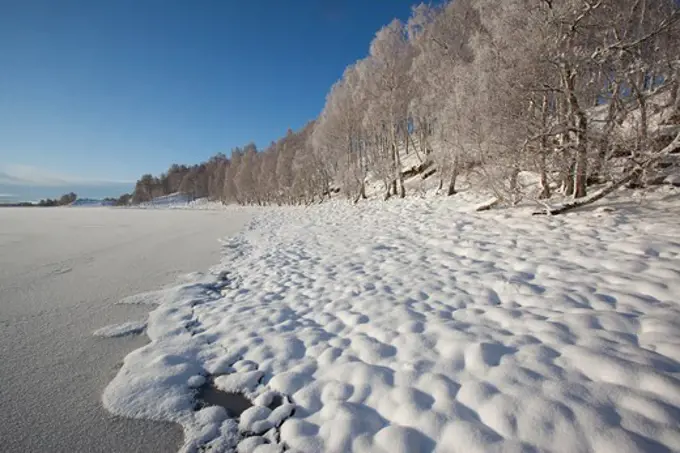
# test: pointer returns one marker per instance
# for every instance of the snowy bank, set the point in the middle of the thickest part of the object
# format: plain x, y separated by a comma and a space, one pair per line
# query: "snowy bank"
182, 201
413, 326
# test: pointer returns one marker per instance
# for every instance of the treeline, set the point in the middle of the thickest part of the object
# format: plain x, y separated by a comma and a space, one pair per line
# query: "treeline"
64, 200
568, 90
71, 197
197, 181
123, 200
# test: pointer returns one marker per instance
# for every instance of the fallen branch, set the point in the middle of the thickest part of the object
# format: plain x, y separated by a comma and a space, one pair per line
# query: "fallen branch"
612, 186
488, 205
547, 207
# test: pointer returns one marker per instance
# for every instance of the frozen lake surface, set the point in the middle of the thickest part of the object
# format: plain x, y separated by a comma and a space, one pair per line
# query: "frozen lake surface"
62, 271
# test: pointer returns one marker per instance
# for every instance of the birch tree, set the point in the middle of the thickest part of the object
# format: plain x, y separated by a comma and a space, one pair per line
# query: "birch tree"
389, 87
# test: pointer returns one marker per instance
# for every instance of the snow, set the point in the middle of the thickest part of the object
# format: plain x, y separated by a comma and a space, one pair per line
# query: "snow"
255, 420
120, 330
182, 201
61, 273
250, 444
420, 325
196, 381
167, 201
246, 381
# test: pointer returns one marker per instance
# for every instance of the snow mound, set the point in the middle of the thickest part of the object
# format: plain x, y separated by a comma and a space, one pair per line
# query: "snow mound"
414, 326
121, 330
239, 382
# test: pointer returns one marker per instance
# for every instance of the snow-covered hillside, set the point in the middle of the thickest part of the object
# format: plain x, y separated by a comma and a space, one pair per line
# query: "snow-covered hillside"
90, 203
422, 326
167, 201
181, 201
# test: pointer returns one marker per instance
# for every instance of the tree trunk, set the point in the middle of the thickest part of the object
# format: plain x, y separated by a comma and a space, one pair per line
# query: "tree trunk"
545, 186
399, 177
543, 151
415, 148
357, 198
580, 137
567, 188
388, 189
452, 182
567, 160
362, 172
643, 130
514, 198
402, 189
406, 141
581, 172
642, 135
643, 142
423, 131
610, 122
675, 88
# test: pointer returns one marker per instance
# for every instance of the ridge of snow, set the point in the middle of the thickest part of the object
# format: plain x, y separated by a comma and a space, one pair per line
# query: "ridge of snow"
120, 330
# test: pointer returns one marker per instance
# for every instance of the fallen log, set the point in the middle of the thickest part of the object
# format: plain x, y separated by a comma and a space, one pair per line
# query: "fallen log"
613, 185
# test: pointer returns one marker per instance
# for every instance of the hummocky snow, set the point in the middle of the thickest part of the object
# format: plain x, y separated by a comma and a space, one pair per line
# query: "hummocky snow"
422, 325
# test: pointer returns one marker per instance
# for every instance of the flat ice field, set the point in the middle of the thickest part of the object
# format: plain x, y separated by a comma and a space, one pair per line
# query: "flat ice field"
414, 326
62, 272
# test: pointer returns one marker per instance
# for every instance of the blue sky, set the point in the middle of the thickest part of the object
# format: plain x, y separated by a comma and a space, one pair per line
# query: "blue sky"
93, 93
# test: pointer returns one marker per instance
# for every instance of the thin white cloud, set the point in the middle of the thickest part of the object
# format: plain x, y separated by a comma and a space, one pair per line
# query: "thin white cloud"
27, 175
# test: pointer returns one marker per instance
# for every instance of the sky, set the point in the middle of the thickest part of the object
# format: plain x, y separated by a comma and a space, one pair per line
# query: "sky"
95, 93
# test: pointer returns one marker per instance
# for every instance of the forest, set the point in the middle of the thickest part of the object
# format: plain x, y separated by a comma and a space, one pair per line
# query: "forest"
581, 94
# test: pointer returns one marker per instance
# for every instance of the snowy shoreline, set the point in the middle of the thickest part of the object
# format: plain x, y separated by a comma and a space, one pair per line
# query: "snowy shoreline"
61, 273
414, 326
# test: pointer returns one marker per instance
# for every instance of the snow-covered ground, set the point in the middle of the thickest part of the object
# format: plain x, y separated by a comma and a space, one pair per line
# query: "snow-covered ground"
62, 270
419, 325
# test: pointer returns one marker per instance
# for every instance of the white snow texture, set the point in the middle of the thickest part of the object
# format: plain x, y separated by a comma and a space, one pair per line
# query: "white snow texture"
121, 330
411, 326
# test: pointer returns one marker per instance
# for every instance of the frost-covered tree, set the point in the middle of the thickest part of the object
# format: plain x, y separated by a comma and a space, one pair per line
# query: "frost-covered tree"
389, 89
246, 177
562, 94
216, 169
284, 161
231, 193
267, 182
337, 138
